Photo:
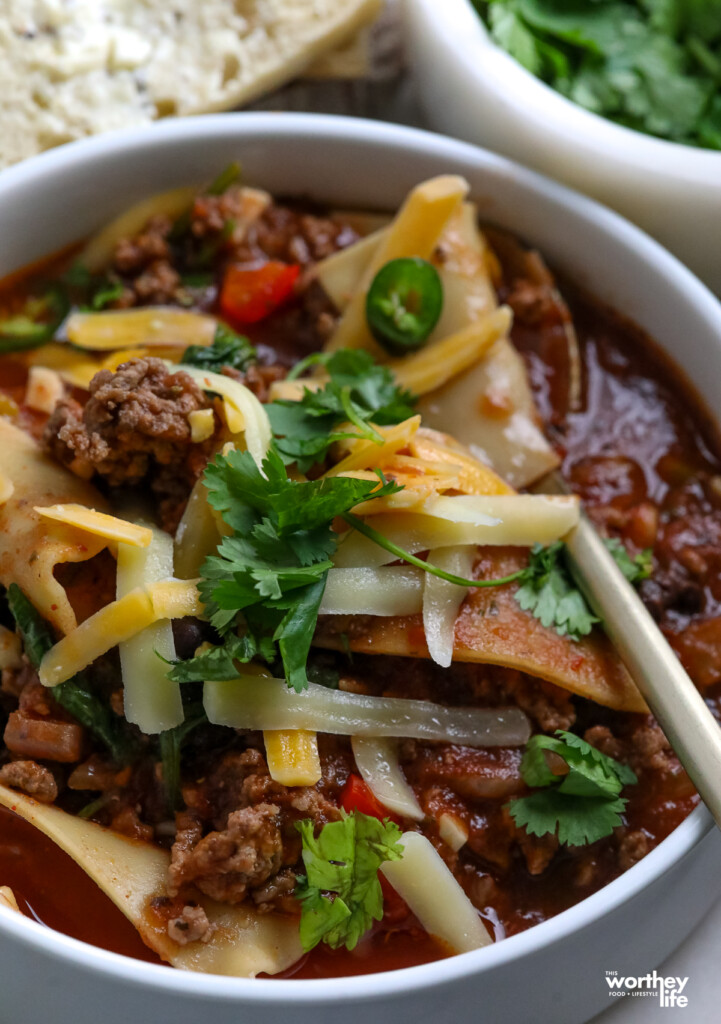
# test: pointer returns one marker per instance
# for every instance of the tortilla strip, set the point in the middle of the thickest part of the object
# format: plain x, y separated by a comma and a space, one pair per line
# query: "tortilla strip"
492, 628
131, 873
30, 546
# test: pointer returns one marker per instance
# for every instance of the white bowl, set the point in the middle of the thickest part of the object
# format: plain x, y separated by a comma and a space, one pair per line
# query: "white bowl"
630, 925
473, 89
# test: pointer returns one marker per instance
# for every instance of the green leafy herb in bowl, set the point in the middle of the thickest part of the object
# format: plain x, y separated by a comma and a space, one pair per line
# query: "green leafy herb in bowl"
650, 65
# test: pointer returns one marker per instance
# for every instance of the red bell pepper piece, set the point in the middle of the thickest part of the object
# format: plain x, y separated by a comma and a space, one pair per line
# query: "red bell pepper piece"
357, 796
249, 294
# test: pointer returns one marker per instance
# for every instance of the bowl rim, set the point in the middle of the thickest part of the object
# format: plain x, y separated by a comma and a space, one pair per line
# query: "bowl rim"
458, 26
409, 143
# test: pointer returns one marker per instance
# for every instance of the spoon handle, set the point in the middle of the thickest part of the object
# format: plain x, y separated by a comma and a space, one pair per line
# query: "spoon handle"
679, 708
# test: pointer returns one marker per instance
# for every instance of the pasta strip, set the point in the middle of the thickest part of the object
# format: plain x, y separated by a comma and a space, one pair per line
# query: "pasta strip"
414, 232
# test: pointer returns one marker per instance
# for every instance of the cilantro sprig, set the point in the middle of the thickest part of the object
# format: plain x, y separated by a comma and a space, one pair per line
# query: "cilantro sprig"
651, 65
263, 589
227, 349
547, 589
358, 391
582, 804
340, 893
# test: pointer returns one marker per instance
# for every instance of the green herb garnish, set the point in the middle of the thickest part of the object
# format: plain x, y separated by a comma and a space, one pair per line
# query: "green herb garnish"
651, 65
340, 893
171, 742
359, 391
266, 581
74, 694
583, 804
228, 349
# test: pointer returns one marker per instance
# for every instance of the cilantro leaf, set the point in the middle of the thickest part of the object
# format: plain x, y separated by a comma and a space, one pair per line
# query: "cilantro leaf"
576, 820
357, 392
549, 593
340, 893
580, 804
634, 569
651, 65
263, 588
228, 349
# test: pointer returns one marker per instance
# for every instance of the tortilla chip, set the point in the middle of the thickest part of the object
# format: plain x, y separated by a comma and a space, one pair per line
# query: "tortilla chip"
492, 628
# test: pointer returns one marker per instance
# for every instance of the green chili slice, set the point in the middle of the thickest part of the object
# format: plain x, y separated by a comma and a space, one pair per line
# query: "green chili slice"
37, 323
404, 304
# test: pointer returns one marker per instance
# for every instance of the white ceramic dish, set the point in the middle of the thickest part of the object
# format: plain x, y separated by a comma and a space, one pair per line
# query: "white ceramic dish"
472, 89
554, 971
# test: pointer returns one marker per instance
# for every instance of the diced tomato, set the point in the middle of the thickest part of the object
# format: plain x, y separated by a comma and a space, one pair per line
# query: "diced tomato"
357, 796
250, 294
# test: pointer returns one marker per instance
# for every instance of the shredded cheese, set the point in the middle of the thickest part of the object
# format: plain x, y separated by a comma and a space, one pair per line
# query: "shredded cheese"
202, 425
453, 831
423, 880
292, 756
151, 700
130, 328
244, 413
367, 454
252, 703
98, 523
377, 760
44, 389
116, 622
442, 601
389, 590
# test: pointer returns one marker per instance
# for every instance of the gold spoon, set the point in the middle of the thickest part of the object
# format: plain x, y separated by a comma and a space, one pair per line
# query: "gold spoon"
665, 685
243, 943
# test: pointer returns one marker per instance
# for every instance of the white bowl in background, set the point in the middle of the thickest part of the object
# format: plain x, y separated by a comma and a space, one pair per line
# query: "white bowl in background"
471, 88
558, 966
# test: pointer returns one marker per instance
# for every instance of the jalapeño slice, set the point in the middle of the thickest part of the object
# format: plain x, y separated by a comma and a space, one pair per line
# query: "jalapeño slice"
404, 304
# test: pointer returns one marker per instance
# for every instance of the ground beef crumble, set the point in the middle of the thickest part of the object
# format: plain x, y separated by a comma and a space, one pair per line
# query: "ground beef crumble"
133, 427
32, 778
252, 841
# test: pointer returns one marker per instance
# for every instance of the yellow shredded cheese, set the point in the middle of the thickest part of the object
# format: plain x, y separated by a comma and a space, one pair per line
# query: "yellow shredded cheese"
130, 328
292, 756
99, 523
244, 413
116, 622
431, 368
202, 425
44, 389
367, 454
150, 700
